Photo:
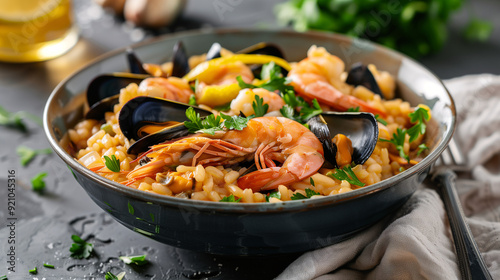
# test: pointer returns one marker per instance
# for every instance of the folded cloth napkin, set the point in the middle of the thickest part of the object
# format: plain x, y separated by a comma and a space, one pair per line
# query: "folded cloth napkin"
415, 242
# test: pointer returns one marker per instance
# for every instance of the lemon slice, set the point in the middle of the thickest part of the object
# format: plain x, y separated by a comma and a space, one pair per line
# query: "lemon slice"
25, 10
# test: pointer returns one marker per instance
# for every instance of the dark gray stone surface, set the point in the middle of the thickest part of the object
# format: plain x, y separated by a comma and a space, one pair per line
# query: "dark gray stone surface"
44, 222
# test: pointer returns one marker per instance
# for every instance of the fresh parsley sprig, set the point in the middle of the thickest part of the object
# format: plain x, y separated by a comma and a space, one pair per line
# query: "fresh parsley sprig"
296, 108
80, 249
398, 140
418, 117
309, 194
137, 260
259, 107
346, 174
112, 163
275, 194
211, 123
272, 73
230, 198
421, 148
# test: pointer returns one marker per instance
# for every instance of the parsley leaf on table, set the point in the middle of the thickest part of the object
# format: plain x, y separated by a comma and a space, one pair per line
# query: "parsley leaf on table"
112, 163
346, 174
80, 249
37, 182
230, 198
137, 260
27, 154
111, 276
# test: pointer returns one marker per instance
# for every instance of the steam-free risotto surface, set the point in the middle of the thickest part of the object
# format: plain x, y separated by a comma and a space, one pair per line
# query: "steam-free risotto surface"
290, 162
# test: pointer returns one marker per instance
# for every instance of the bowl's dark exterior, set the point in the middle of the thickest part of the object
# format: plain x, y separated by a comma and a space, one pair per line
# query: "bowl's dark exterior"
263, 228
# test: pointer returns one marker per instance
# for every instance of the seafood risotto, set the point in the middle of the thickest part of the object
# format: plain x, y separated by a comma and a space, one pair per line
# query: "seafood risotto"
252, 127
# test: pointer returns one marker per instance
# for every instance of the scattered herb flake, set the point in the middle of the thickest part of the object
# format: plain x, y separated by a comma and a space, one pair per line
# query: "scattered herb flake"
131, 210
398, 139
309, 194
27, 154
3, 277
275, 194
297, 109
380, 120
137, 260
37, 182
112, 163
259, 107
12, 120
422, 147
270, 71
80, 249
33, 271
48, 265
346, 174
111, 276
353, 109
312, 182
230, 198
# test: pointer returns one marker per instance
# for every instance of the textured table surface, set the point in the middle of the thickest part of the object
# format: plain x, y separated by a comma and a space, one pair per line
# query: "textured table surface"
44, 222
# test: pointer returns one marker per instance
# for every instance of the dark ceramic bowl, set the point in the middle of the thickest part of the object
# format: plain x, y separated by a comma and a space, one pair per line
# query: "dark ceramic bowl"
262, 228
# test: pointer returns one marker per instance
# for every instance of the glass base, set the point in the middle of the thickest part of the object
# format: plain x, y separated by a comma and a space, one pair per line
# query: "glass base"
42, 51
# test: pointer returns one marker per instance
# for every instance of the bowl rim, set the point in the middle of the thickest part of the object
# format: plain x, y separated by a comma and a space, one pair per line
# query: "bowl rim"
244, 207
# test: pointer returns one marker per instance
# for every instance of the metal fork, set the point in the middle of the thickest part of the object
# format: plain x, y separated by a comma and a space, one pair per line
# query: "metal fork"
470, 262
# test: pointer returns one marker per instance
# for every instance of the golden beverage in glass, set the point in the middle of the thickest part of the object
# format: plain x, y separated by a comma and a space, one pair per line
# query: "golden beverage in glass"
35, 30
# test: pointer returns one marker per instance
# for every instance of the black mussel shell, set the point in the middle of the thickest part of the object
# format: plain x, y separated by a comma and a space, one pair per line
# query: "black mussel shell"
360, 128
180, 60
108, 85
134, 63
97, 111
360, 75
166, 134
151, 111
267, 49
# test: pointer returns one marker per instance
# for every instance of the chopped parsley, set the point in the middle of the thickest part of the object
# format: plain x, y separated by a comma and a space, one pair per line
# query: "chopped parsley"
380, 120
230, 198
353, 109
398, 140
27, 154
422, 147
270, 71
235, 122
3, 277
192, 100
112, 163
48, 265
346, 174
259, 107
309, 194
297, 109
80, 249
418, 117
274, 80
111, 276
275, 194
37, 182
211, 124
137, 260
311, 180
33, 271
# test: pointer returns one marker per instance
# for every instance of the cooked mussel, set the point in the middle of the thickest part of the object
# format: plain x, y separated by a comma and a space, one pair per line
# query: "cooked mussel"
134, 63
180, 60
152, 120
360, 75
109, 85
360, 128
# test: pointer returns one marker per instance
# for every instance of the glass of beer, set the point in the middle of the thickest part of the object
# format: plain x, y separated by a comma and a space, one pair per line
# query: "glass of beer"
35, 30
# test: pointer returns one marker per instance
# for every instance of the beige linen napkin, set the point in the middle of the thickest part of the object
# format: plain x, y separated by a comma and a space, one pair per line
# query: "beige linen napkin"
415, 242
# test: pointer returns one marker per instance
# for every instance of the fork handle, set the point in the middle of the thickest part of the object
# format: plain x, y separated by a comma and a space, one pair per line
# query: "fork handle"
470, 262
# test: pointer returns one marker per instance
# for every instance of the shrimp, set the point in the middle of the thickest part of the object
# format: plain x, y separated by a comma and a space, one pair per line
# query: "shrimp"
243, 102
318, 77
169, 88
265, 140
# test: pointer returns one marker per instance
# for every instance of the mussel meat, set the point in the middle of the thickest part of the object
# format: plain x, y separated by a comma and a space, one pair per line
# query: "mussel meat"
151, 120
361, 128
360, 75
